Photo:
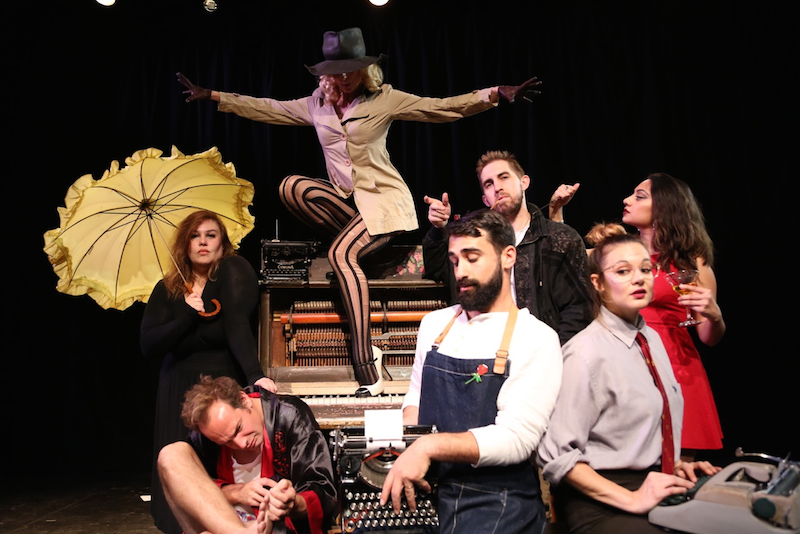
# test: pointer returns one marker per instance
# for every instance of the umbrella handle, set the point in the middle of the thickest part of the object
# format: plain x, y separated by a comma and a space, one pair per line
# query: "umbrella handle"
213, 301
213, 313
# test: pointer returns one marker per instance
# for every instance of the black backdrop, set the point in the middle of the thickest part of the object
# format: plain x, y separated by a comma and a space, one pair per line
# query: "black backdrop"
697, 90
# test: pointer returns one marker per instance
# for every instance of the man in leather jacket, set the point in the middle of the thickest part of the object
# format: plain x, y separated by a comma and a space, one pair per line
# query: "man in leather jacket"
549, 277
254, 462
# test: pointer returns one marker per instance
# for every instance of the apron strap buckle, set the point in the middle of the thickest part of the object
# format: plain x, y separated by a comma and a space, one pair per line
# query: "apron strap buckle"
500, 362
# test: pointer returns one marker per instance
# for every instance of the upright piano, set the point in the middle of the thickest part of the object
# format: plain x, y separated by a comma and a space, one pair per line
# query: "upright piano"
304, 336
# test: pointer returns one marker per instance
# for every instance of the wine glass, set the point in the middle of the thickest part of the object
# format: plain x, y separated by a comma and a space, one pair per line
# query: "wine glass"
684, 276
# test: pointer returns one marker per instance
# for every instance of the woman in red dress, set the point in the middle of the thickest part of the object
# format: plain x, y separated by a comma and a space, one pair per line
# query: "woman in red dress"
671, 225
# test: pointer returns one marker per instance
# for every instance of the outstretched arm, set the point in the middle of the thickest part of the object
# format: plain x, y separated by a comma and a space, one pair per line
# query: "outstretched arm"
409, 107
526, 90
195, 92
291, 112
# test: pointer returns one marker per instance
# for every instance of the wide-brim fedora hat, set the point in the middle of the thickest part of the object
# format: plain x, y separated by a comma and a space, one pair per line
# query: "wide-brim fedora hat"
344, 51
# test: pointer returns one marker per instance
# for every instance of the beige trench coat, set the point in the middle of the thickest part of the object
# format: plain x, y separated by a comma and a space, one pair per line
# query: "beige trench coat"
355, 147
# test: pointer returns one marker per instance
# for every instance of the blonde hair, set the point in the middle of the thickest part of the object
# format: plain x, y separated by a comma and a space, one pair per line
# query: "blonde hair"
371, 78
601, 231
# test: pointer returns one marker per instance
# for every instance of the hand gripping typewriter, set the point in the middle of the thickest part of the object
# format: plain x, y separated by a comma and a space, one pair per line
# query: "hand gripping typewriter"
746, 497
362, 464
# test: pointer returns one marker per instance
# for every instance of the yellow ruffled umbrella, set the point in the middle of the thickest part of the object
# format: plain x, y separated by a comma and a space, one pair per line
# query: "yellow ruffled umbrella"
113, 242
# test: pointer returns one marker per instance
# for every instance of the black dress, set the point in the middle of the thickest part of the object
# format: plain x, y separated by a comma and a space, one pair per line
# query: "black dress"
191, 345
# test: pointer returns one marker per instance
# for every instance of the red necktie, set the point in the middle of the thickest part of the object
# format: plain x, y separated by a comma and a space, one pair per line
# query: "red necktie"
667, 440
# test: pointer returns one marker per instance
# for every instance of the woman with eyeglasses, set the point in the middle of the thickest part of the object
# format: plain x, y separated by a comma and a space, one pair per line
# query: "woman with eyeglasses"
365, 202
611, 450
671, 225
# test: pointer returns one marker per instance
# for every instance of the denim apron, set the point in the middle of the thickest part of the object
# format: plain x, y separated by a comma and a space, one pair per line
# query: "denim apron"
499, 499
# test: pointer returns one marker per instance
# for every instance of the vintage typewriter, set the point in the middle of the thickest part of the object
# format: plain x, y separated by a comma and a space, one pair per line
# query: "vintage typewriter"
746, 497
362, 463
286, 260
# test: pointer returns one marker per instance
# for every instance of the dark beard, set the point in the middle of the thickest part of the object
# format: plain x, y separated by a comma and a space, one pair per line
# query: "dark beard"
511, 210
482, 296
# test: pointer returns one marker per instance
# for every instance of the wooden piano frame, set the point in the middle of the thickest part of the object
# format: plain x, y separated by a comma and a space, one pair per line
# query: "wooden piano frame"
276, 299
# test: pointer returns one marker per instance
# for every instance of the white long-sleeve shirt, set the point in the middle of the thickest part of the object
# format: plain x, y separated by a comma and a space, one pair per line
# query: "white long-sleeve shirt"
528, 395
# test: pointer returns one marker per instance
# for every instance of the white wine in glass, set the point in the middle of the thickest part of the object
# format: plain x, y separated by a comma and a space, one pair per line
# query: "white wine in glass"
688, 277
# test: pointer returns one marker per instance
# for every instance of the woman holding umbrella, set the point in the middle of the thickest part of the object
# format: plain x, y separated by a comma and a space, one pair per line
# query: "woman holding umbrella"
365, 202
191, 341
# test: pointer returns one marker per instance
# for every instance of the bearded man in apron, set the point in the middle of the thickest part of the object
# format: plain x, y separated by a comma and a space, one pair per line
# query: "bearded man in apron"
487, 375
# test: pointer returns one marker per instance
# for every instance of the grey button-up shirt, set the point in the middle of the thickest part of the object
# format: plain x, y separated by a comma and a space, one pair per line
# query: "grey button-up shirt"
608, 412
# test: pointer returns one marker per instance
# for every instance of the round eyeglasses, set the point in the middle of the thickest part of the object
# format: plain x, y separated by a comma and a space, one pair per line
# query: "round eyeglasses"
623, 272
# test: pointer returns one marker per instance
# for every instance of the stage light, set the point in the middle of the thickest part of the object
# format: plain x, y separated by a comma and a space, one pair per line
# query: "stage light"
378, 2
106, 2
210, 5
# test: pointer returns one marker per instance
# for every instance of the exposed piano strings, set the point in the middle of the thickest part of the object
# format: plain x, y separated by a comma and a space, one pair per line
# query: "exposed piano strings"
317, 334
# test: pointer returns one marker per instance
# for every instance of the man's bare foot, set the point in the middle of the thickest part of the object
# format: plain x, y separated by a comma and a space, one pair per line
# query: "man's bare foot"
262, 524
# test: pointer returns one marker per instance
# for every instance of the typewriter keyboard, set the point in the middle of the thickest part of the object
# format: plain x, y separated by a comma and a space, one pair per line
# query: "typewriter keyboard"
363, 513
